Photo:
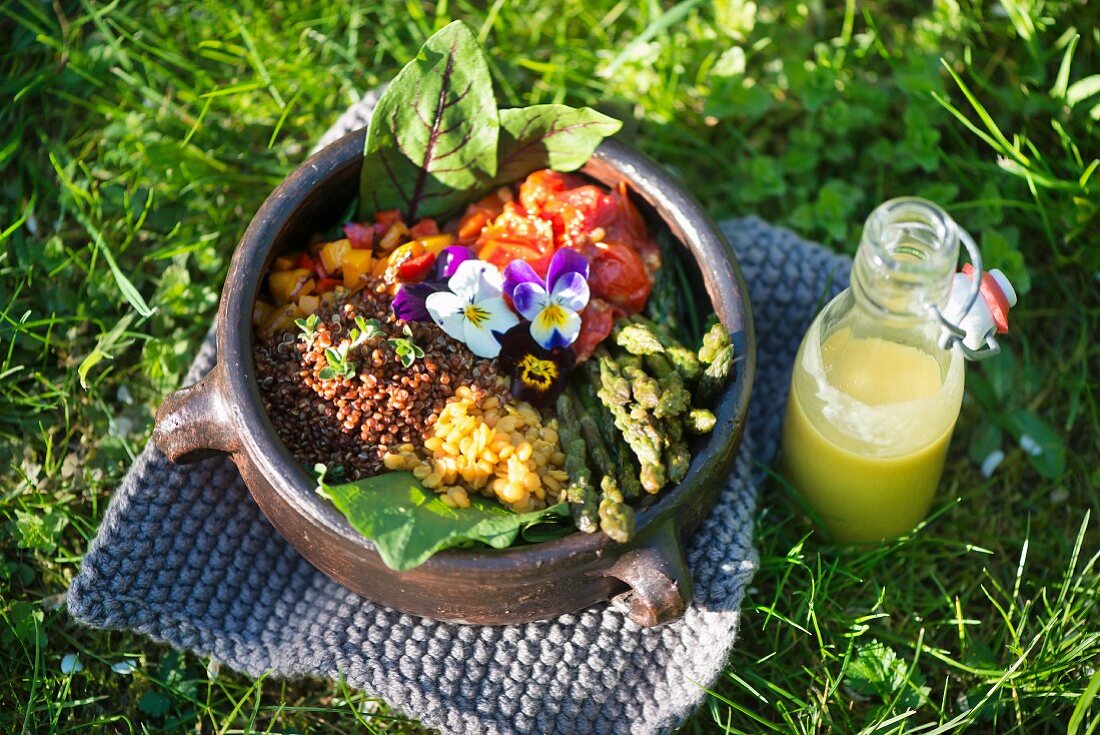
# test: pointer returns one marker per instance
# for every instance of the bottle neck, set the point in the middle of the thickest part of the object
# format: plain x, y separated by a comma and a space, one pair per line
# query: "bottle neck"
906, 260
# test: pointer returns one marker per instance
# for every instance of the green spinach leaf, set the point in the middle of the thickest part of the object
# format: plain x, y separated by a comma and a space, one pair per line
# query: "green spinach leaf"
409, 523
433, 136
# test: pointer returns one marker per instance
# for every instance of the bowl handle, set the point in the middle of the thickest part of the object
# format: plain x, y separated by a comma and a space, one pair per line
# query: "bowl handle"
660, 581
193, 423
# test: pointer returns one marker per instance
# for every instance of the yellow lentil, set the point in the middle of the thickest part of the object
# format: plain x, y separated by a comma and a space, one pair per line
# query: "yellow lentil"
481, 445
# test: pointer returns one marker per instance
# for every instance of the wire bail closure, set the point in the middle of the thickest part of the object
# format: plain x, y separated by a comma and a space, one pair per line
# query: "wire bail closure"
953, 334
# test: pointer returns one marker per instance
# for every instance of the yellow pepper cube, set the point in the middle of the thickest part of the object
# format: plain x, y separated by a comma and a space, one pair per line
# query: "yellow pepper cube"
309, 304
333, 253
436, 243
357, 264
393, 237
286, 262
281, 319
285, 285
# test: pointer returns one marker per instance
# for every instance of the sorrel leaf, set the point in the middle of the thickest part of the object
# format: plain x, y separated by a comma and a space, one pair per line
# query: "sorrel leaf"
433, 136
549, 136
436, 139
409, 523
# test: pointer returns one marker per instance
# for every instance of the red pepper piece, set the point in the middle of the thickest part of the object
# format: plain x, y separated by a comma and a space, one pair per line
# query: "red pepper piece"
304, 261
416, 268
324, 285
424, 228
387, 217
360, 235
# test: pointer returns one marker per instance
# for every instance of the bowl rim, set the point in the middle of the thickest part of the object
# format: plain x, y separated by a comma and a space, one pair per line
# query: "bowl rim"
679, 211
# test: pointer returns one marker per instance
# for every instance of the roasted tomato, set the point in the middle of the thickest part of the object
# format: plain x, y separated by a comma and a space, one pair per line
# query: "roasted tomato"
619, 276
481, 213
577, 213
629, 228
537, 188
596, 322
516, 236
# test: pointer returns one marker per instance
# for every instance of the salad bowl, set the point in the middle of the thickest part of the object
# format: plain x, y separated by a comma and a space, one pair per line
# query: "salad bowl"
646, 577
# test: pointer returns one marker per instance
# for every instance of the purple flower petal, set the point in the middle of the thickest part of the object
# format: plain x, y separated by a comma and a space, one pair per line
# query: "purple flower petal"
408, 304
570, 291
449, 259
517, 272
530, 299
566, 261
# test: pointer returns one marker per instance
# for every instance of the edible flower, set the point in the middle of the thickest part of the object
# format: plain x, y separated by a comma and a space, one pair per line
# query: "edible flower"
408, 303
538, 375
474, 308
552, 306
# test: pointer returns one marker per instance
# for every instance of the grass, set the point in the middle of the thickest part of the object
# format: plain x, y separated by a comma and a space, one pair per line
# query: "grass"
137, 139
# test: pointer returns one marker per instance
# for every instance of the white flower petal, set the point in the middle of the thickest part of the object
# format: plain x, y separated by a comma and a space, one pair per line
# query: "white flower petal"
476, 280
492, 283
447, 310
501, 318
556, 326
480, 340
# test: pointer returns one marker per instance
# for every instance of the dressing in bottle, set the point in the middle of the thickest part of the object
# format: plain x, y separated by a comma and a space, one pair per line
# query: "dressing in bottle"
878, 380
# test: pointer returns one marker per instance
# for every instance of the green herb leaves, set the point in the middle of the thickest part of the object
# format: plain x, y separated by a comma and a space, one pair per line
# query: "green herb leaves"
407, 350
437, 139
408, 523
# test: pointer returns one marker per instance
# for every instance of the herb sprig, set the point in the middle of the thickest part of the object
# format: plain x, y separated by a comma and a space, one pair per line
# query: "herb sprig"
407, 351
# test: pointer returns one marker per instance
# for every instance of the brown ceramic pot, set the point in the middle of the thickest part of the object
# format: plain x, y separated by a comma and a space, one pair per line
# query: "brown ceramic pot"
647, 577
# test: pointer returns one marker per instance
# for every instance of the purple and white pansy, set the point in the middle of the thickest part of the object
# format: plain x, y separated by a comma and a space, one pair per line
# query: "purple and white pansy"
465, 297
552, 306
473, 310
408, 303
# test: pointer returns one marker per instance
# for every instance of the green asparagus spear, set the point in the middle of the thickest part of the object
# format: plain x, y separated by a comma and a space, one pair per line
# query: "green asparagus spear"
589, 381
616, 517
580, 494
646, 390
677, 456
714, 341
627, 471
636, 338
675, 398
685, 361
699, 421
612, 383
715, 376
637, 427
598, 452
626, 466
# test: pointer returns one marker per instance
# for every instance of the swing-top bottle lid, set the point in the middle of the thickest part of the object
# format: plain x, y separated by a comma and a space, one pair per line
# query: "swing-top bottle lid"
988, 315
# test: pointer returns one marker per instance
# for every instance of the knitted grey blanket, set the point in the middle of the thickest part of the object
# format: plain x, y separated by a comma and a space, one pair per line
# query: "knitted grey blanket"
185, 556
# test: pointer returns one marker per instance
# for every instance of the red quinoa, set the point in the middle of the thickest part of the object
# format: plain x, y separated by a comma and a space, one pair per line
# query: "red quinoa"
351, 422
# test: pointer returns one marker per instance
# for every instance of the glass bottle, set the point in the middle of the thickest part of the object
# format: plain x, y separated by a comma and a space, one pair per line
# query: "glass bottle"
878, 380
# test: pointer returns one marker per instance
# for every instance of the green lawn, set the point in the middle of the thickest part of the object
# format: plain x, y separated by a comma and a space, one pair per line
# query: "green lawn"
137, 139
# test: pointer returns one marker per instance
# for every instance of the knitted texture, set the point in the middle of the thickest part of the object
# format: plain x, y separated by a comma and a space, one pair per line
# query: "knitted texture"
185, 556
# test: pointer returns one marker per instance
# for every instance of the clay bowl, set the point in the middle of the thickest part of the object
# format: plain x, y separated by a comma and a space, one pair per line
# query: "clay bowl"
647, 577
